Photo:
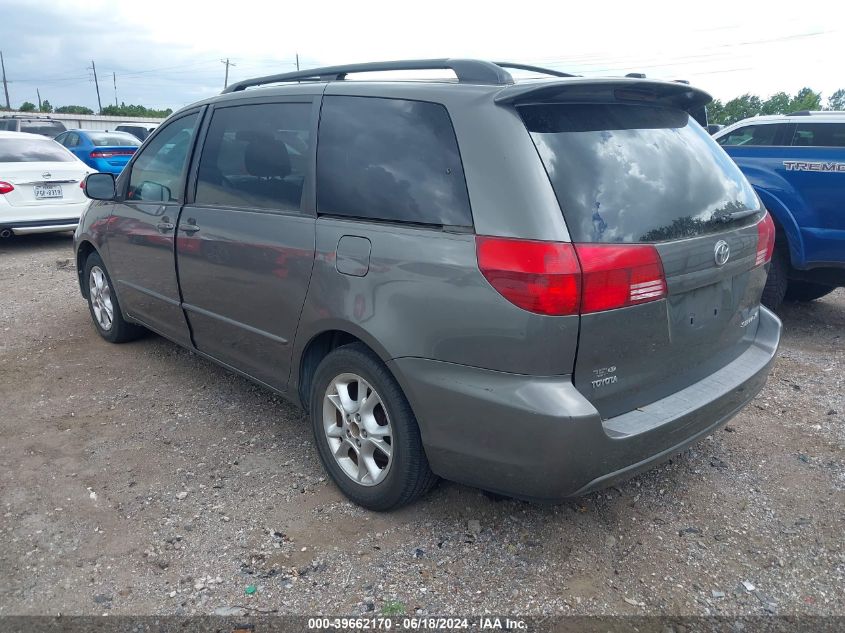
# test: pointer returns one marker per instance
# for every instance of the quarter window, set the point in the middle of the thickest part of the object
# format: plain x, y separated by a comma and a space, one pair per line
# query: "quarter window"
752, 135
256, 156
819, 135
390, 159
158, 172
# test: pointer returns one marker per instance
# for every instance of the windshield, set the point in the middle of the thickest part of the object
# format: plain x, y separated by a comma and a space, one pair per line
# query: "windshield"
626, 173
18, 150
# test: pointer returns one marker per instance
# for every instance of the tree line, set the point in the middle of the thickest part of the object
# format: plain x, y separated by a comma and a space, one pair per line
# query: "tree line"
123, 109
749, 105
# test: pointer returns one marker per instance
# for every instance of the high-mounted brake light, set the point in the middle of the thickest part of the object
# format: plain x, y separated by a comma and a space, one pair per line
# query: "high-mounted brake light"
556, 278
619, 275
541, 277
6, 187
765, 240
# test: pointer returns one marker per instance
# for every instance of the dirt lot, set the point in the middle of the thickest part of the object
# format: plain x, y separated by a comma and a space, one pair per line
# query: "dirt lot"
140, 479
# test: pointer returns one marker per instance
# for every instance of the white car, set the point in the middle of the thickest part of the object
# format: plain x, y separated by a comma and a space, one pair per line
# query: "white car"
40, 185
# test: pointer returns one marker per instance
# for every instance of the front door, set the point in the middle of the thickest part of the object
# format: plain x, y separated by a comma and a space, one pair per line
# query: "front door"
142, 230
245, 244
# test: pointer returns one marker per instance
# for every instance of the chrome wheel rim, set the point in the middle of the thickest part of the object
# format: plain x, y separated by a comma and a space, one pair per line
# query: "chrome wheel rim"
358, 429
101, 304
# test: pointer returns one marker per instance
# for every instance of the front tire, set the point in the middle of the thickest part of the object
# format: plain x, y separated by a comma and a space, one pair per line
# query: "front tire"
806, 291
366, 434
103, 305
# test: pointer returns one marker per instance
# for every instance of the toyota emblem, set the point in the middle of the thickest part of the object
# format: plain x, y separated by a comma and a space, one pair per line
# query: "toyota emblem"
722, 253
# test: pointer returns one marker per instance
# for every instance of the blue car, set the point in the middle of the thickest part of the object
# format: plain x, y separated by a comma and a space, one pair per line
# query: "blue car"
104, 151
796, 163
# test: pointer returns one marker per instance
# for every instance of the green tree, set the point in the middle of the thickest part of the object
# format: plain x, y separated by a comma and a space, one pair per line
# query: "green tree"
135, 111
836, 101
742, 107
73, 109
45, 106
715, 112
805, 99
778, 103
27, 106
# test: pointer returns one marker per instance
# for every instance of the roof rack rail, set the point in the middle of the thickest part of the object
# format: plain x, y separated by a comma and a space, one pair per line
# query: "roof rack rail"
471, 71
815, 112
535, 69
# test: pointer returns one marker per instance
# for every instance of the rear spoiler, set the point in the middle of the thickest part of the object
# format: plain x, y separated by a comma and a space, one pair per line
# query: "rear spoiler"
610, 90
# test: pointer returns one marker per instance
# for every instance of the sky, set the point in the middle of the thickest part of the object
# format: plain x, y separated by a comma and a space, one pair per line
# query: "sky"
167, 53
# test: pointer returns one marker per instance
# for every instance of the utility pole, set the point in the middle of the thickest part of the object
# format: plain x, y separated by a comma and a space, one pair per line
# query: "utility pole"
297, 61
5, 85
114, 76
38, 92
227, 63
97, 84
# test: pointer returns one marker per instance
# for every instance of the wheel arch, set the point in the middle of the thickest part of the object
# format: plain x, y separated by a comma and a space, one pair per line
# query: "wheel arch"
83, 251
320, 345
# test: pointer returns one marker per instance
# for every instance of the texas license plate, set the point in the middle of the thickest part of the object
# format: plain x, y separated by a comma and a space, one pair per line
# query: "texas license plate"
47, 191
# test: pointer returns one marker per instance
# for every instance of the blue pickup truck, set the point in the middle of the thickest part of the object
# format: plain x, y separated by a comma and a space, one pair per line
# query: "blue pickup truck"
796, 162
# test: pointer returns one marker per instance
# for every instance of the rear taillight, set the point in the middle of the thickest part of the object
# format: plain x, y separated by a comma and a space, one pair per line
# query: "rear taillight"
541, 277
765, 240
558, 278
6, 187
99, 153
619, 275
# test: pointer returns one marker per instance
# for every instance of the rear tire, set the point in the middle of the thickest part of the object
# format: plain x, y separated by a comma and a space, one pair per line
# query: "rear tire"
806, 291
103, 305
373, 453
776, 282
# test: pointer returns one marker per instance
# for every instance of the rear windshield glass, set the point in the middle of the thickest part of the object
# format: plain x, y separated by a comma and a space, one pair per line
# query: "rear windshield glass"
45, 128
17, 150
106, 139
626, 173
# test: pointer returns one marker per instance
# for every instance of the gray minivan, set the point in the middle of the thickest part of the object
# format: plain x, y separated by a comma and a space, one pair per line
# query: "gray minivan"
533, 287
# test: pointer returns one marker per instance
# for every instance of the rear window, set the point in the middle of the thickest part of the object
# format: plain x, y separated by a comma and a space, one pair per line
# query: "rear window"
44, 128
16, 150
753, 135
626, 173
113, 139
390, 159
141, 132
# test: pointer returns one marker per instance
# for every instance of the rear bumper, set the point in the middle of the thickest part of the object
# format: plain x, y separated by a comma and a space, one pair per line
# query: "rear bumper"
24, 220
539, 438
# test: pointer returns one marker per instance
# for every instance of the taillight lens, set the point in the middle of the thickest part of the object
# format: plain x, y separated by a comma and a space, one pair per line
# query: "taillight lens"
616, 276
765, 240
557, 278
541, 277
6, 187
99, 153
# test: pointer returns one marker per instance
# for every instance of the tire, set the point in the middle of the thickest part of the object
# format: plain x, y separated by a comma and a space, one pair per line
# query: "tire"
806, 291
115, 328
776, 282
363, 471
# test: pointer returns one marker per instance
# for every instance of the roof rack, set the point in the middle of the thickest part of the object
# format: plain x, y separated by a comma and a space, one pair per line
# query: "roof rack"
535, 69
815, 112
471, 71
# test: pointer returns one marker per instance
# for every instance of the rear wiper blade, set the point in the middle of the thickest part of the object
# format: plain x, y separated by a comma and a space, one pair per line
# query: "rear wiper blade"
734, 215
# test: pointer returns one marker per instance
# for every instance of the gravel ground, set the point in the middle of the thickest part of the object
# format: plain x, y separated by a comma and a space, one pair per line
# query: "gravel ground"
141, 479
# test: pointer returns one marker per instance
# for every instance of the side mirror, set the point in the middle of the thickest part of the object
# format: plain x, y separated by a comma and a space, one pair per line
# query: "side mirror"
99, 186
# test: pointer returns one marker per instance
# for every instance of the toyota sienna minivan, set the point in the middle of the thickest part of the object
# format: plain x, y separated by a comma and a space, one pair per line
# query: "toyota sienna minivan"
536, 287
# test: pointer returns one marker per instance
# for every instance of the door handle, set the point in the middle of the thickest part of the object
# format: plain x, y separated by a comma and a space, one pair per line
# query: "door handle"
165, 225
190, 228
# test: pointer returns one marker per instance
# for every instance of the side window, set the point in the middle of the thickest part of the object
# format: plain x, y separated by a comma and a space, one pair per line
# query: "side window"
390, 159
7, 125
752, 135
256, 156
819, 135
157, 173
71, 140
61, 138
